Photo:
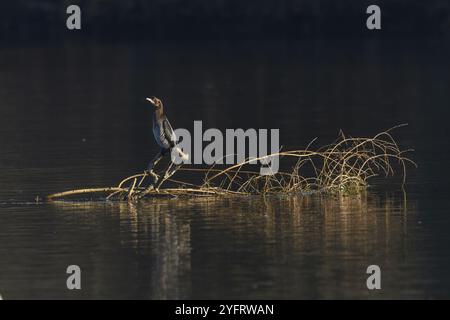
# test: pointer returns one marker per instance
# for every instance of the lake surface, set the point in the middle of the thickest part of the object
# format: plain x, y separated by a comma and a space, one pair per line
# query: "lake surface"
73, 115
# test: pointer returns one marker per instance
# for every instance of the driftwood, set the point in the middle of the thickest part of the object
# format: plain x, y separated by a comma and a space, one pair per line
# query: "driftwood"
344, 166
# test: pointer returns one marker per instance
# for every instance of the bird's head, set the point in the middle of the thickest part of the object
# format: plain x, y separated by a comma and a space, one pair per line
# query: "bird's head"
156, 103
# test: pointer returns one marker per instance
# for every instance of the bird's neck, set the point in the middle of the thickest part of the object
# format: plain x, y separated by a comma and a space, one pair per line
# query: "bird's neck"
159, 113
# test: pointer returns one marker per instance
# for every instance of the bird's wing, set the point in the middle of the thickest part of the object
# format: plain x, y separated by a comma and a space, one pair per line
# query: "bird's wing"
168, 133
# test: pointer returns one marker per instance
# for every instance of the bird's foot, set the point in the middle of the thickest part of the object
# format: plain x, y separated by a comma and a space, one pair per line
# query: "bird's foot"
153, 175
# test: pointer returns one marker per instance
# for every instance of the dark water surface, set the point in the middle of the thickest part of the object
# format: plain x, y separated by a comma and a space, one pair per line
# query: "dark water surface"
73, 115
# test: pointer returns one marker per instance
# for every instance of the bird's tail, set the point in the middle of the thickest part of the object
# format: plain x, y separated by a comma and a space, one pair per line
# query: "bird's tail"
182, 155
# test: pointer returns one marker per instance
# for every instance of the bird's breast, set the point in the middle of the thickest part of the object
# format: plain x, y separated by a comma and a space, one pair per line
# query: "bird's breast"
158, 133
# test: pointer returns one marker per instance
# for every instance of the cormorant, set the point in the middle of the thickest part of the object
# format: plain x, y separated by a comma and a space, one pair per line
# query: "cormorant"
164, 135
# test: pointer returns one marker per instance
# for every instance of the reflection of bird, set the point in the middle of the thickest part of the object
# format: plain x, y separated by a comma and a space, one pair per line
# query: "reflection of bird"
164, 135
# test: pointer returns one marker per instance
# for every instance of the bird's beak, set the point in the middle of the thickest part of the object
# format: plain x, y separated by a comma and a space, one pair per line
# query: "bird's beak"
151, 101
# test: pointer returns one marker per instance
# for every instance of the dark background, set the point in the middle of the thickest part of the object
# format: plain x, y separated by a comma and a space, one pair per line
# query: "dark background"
180, 19
73, 115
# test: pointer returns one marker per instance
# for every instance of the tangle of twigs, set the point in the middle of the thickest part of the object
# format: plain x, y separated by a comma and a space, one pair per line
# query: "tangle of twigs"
345, 165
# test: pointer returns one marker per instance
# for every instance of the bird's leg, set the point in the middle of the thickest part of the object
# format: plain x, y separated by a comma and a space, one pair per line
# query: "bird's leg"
156, 159
152, 164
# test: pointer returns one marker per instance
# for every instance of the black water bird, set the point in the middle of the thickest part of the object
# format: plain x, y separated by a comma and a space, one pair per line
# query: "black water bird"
164, 135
